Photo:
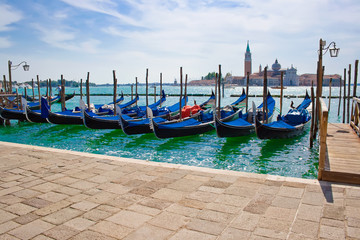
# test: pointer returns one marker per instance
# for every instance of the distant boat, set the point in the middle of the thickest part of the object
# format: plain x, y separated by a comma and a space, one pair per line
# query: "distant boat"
277, 87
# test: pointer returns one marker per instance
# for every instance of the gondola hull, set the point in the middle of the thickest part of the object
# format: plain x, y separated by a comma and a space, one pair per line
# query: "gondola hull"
56, 118
266, 132
100, 123
183, 131
12, 114
34, 117
132, 130
224, 130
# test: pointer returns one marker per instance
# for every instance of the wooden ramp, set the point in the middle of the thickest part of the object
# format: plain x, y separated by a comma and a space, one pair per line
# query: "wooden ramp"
342, 161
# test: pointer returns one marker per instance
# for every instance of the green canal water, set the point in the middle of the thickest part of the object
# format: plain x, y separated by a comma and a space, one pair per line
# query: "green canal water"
285, 157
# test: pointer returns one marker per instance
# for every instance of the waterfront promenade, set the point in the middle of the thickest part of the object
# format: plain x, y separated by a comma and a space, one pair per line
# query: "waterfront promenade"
55, 194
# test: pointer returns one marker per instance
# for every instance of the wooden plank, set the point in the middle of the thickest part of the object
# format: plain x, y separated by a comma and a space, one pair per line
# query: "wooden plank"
342, 154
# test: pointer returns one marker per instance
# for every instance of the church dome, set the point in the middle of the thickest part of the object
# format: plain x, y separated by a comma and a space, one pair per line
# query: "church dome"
276, 66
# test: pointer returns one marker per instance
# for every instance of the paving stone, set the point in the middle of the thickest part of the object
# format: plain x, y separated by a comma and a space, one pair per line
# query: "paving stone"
7, 226
313, 198
197, 178
334, 233
233, 233
144, 209
333, 212
96, 215
62, 216
217, 184
10, 190
310, 212
10, 199
169, 195
307, 228
286, 214
79, 223
129, 219
214, 228
31, 229
215, 216
68, 191
83, 185
222, 207
291, 192
155, 203
353, 222
84, 205
191, 235
286, 202
91, 235
20, 209
52, 208
53, 196
232, 200
352, 212
203, 196
149, 232
24, 219
37, 202
270, 233
353, 232
185, 185
102, 197
61, 232
169, 221
241, 191
246, 221
46, 187
27, 193
117, 231
7, 237
180, 209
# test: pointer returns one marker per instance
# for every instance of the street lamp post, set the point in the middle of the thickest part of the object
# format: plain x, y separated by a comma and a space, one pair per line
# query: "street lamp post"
320, 73
13, 67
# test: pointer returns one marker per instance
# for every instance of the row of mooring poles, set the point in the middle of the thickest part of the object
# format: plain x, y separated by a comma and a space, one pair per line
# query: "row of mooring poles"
346, 94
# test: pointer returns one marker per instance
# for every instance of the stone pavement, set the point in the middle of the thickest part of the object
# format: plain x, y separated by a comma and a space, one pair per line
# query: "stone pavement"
55, 194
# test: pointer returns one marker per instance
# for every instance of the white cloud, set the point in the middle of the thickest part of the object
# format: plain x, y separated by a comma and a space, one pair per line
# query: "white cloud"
5, 42
8, 16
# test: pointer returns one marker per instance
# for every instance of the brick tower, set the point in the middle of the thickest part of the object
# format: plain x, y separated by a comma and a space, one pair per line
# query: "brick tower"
247, 61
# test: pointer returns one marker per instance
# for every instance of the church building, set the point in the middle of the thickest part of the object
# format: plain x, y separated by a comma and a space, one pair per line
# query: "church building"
273, 75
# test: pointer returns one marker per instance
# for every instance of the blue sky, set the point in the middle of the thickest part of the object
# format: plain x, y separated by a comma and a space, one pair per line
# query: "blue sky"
73, 37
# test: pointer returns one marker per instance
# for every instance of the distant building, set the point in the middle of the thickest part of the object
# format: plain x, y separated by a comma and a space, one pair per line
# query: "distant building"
309, 78
247, 60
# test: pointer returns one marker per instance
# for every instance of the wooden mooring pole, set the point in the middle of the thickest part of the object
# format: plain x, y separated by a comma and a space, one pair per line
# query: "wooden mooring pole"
185, 94
63, 107
247, 90
355, 77
180, 107
219, 92
265, 95
115, 89
147, 99
160, 88
81, 94
88, 90
344, 102
349, 94
281, 91
38, 83
330, 82
339, 97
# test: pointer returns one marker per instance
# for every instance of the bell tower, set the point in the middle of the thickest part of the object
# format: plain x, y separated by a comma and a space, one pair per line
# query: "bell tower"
247, 61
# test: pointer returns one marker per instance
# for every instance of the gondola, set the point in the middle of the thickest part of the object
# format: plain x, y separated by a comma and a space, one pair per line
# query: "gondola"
94, 121
289, 125
132, 126
20, 114
243, 125
12, 114
70, 118
140, 111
